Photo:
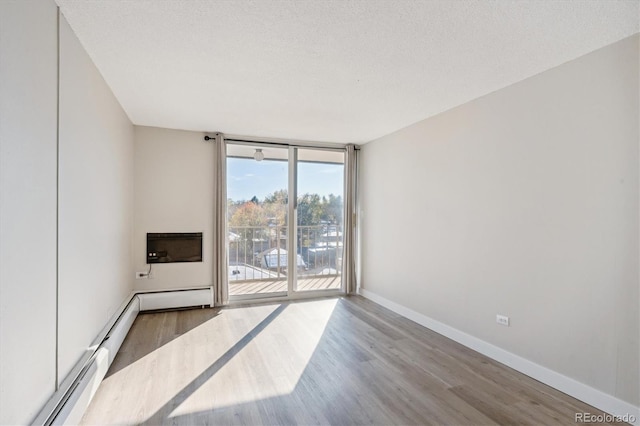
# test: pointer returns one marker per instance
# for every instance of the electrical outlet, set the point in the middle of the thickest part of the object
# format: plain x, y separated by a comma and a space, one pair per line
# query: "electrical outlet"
142, 275
502, 320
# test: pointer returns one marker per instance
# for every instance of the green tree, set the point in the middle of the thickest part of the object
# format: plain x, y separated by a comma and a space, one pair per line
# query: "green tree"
332, 209
310, 209
275, 206
278, 197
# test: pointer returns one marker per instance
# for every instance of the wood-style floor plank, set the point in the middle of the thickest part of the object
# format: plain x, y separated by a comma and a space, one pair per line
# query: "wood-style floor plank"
328, 361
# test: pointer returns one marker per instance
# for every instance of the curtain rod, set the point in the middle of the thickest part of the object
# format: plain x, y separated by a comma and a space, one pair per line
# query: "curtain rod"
281, 144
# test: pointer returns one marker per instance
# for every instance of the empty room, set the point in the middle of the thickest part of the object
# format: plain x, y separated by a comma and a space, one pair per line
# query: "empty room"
284, 212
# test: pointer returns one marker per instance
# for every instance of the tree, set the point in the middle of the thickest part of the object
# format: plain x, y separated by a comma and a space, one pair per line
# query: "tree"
248, 214
257, 223
278, 197
247, 221
310, 210
313, 210
333, 209
275, 206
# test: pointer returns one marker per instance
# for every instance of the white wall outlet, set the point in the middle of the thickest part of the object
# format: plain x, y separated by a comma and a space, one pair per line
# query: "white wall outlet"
502, 320
142, 275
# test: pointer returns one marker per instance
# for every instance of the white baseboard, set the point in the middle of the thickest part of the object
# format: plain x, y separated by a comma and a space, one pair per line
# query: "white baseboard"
73, 409
580, 391
68, 404
86, 384
120, 330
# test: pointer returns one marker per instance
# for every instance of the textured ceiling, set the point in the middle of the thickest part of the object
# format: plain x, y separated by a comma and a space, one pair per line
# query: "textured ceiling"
335, 71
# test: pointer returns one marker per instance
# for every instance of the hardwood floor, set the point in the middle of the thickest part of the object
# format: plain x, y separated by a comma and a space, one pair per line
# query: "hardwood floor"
329, 361
273, 286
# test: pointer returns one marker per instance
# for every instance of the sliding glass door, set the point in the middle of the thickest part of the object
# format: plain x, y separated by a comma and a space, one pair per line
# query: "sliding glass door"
320, 186
280, 245
257, 221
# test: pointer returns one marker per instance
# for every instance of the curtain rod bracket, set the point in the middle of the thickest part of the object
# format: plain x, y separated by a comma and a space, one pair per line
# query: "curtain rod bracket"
209, 138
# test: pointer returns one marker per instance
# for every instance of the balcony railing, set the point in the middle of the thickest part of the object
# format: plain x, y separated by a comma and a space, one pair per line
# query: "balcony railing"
261, 252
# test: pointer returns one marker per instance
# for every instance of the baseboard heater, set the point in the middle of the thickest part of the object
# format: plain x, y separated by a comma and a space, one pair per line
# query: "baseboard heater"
153, 301
68, 404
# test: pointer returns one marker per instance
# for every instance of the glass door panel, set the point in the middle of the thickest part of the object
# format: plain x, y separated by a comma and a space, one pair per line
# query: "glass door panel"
320, 187
257, 221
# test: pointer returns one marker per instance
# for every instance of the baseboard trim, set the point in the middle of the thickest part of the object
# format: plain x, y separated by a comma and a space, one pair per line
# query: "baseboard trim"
68, 404
73, 408
572, 387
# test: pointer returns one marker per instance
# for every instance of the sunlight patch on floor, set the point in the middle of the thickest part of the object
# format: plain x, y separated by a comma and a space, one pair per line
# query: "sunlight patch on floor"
264, 374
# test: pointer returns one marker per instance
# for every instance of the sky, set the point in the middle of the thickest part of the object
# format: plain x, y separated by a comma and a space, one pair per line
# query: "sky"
248, 177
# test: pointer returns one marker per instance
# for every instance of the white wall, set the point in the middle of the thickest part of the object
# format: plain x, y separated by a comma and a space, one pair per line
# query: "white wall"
28, 76
524, 203
66, 233
96, 202
173, 193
